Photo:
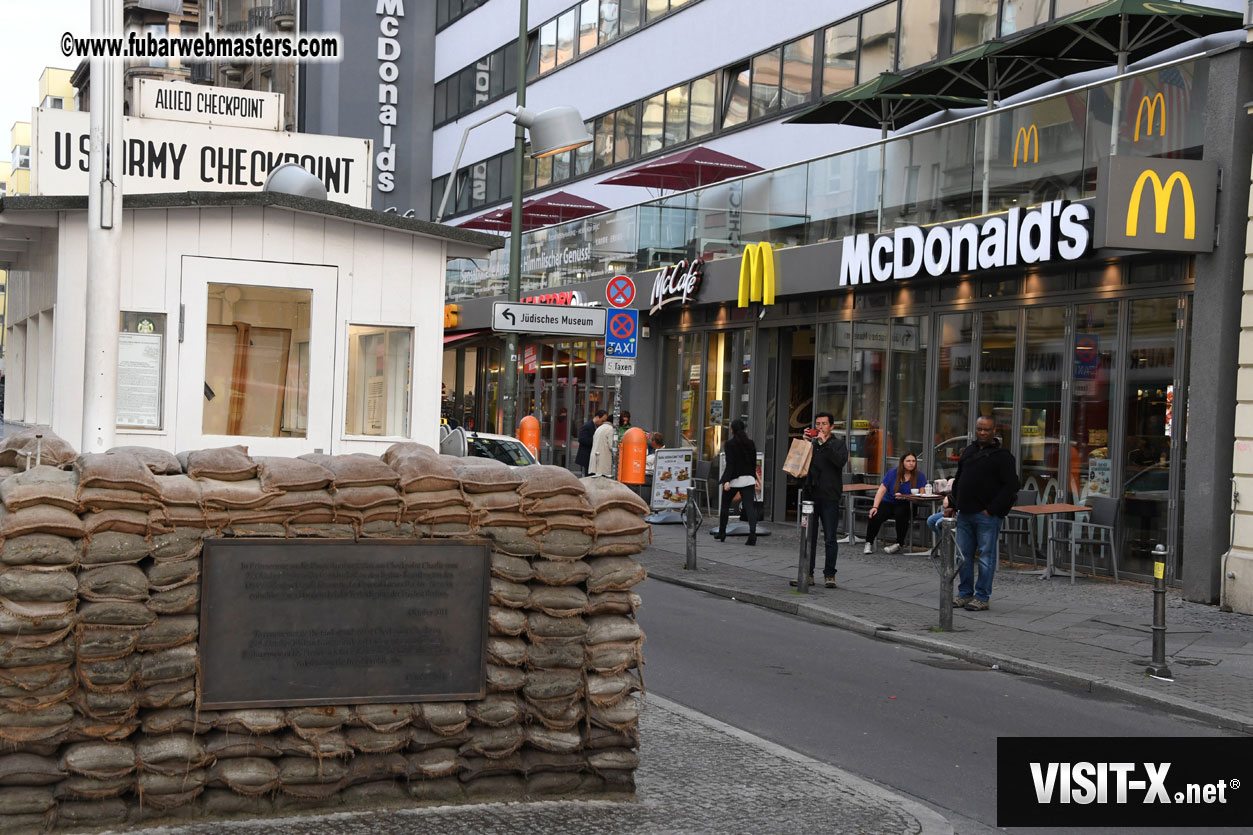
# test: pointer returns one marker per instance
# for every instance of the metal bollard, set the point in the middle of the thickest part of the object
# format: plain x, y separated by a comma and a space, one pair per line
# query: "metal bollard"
948, 570
39, 444
802, 566
692, 519
1158, 668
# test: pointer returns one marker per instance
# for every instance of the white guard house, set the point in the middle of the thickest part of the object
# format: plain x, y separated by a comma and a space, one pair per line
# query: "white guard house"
286, 324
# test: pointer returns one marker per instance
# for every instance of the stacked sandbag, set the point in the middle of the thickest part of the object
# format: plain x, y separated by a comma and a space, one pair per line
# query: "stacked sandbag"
301, 494
41, 536
619, 518
365, 494
491, 490
22, 449
429, 490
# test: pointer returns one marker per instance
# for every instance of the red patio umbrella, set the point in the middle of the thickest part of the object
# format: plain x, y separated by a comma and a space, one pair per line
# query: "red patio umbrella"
687, 169
558, 207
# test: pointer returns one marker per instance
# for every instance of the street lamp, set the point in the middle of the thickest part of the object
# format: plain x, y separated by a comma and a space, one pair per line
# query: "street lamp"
553, 131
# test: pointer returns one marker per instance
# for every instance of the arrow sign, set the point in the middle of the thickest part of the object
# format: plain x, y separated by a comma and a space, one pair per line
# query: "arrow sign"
620, 291
546, 318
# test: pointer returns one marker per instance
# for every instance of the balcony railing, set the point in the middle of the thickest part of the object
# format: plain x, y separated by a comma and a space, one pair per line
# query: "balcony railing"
202, 72
1044, 149
262, 18
284, 14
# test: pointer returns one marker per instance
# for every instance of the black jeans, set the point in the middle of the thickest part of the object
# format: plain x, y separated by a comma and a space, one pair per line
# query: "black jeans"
826, 511
902, 512
748, 501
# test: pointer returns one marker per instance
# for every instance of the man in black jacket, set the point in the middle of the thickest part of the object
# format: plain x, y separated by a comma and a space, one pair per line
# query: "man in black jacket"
984, 490
825, 486
584, 456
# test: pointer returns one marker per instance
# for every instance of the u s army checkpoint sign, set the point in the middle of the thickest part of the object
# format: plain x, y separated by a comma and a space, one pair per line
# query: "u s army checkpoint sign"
1157, 204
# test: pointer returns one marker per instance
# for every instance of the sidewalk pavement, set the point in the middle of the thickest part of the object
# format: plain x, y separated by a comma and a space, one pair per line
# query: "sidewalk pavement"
1095, 634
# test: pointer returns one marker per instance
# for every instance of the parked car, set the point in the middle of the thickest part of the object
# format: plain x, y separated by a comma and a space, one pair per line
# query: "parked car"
503, 448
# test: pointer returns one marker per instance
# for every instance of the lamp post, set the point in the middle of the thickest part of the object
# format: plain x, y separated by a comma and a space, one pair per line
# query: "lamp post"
552, 132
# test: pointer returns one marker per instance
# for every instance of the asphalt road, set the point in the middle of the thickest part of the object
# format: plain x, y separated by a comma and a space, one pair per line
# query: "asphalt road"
924, 725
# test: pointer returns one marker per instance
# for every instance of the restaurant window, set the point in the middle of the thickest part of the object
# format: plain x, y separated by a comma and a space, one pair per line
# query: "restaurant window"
798, 71
735, 104
839, 57
1018, 15
878, 42
956, 338
256, 379
652, 124
701, 106
676, 116
765, 89
920, 32
589, 14
140, 370
974, 21
379, 368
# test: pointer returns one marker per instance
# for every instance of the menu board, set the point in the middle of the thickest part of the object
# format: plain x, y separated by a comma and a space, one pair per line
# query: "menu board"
672, 478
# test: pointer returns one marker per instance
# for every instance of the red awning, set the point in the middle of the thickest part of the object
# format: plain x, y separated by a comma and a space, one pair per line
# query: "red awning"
557, 207
450, 338
687, 169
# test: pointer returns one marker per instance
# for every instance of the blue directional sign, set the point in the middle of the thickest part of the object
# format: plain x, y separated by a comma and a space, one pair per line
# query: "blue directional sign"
622, 328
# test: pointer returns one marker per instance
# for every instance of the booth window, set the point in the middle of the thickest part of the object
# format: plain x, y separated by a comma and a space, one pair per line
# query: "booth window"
379, 378
257, 361
140, 370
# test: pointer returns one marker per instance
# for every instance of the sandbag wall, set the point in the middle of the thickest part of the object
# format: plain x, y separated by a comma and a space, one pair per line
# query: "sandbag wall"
99, 624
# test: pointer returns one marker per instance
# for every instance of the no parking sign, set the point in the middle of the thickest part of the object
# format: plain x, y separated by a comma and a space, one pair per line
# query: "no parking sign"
620, 291
621, 332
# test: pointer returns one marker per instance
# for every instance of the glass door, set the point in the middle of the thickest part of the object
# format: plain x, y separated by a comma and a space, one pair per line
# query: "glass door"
1041, 439
865, 396
952, 422
1093, 377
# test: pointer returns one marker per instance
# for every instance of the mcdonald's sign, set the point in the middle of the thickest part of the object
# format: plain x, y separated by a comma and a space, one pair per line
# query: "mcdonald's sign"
1150, 105
757, 274
1157, 204
1024, 136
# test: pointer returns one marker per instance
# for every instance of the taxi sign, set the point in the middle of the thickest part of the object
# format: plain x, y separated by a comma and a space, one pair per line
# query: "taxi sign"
621, 334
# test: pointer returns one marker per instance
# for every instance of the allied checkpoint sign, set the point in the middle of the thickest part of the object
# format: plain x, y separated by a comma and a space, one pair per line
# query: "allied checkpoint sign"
159, 155
310, 622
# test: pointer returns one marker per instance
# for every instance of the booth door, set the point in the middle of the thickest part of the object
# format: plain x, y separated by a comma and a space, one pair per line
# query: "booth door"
256, 363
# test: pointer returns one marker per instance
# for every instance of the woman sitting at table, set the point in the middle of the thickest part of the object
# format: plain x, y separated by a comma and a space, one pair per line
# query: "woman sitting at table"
901, 480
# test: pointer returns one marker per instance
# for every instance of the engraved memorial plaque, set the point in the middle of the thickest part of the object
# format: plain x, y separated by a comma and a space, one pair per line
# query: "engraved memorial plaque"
307, 622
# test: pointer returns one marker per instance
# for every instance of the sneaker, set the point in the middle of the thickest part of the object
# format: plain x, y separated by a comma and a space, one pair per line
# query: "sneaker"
869, 549
794, 584
962, 602
830, 582
977, 606
892, 549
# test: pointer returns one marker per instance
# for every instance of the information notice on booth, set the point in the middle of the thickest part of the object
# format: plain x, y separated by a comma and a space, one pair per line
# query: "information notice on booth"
139, 380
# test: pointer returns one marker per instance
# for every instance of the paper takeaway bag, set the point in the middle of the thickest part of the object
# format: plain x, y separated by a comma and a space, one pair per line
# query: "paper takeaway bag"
799, 455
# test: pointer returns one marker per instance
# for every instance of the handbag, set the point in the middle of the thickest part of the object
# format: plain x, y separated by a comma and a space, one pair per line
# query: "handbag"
799, 454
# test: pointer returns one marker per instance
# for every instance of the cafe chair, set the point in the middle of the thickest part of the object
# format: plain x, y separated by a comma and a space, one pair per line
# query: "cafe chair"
1098, 532
859, 503
1018, 526
700, 484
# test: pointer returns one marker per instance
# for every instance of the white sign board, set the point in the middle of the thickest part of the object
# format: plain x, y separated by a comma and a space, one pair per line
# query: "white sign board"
619, 367
182, 102
139, 380
544, 318
672, 478
163, 156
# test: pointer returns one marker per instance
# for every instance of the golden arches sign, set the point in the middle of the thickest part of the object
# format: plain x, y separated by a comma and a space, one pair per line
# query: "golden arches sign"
1025, 135
757, 274
1150, 105
1161, 203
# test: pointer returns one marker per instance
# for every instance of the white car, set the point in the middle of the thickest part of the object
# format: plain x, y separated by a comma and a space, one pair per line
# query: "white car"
503, 448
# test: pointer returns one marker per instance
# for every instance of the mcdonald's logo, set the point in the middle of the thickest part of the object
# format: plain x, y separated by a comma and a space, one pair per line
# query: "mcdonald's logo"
1150, 106
1161, 204
1181, 194
1024, 136
757, 274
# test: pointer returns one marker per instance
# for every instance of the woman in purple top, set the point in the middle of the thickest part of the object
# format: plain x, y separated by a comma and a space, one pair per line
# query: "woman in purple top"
903, 479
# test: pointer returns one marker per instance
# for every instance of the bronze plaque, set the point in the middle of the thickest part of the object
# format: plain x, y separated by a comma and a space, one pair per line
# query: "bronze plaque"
307, 622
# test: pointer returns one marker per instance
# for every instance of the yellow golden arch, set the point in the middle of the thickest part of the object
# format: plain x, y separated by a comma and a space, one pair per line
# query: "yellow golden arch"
1024, 136
757, 274
1161, 203
1150, 105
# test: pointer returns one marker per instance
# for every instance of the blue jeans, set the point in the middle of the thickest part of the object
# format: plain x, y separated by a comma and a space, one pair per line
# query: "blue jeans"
826, 511
977, 531
933, 522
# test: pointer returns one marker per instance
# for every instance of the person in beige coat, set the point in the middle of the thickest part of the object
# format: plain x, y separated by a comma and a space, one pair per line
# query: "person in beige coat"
602, 450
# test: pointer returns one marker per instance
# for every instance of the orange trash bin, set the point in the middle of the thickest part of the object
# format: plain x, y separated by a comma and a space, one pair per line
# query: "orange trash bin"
632, 456
528, 434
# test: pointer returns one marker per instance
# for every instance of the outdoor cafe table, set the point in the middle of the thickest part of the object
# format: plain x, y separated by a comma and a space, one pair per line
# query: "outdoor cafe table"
855, 488
1045, 510
928, 499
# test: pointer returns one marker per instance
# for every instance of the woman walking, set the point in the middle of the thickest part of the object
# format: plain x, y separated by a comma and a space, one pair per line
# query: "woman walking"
901, 480
739, 477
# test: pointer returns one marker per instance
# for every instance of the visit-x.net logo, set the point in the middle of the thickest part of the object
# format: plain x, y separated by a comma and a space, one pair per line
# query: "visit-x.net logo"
1118, 781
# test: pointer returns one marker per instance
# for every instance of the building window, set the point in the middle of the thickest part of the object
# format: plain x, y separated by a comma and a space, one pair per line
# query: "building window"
701, 106
656, 8
765, 89
1023, 14
920, 32
602, 141
379, 366
256, 378
589, 23
140, 370
798, 72
676, 116
652, 124
735, 100
21, 156
839, 57
53, 103
625, 124
547, 46
974, 21
878, 42
565, 36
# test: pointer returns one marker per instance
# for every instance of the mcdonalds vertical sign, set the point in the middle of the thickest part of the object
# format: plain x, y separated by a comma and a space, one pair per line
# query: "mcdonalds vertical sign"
1164, 205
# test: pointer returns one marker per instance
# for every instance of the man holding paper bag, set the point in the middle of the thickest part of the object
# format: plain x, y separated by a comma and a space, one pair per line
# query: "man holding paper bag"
825, 486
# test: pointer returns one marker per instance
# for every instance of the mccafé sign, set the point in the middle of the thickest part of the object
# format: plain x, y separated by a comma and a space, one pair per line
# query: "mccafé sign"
676, 283
1053, 230
1157, 204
